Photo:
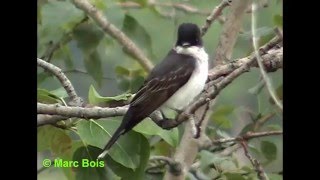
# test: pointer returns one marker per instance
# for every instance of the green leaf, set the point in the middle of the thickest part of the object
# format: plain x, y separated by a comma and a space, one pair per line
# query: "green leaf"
161, 148
148, 127
55, 139
138, 72
207, 159
247, 169
228, 166
269, 150
99, 4
92, 63
88, 36
89, 167
222, 122
233, 176
220, 116
95, 98
57, 18
122, 71
143, 3
129, 80
248, 127
254, 150
273, 127
125, 151
60, 92
223, 110
278, 20
45, 96
127, 173
222, 133
272, 176
133, 29
69, 172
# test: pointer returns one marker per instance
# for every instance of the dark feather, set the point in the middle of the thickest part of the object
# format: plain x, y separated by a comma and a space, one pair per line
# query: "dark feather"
164, 80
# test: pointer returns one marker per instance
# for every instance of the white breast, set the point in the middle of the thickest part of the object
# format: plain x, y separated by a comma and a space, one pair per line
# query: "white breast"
186, 94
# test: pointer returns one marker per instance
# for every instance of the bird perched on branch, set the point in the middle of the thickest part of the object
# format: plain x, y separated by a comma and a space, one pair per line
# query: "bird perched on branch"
174, 83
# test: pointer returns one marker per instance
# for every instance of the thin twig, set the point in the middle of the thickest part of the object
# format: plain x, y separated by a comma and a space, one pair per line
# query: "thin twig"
198, 125
187, 8
259, 60
65, 82
262, 121
256, 164
247, 136
53, 47
113, 31
216, 12
220, 70
83, 72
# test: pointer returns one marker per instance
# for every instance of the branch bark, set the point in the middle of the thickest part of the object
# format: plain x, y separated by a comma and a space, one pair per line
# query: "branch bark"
247, 136
80, 112
256, 164
230, 31
114, 32
65, 82
215, 14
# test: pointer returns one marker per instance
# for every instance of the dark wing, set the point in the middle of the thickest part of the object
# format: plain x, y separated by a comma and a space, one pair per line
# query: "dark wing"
164, 80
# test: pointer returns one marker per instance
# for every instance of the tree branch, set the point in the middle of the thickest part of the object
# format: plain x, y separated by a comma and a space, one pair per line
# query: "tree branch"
44, 119
272, 60
247, 136
230, 31
216, 12
256, 164
67, 85
271, 63
80, 112
178, 6
113, 31
53, 47
205, 97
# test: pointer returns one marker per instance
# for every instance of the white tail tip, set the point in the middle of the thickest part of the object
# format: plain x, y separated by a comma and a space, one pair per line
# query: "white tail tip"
103, 154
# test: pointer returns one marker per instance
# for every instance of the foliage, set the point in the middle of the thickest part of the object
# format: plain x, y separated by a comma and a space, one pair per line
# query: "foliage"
111, 75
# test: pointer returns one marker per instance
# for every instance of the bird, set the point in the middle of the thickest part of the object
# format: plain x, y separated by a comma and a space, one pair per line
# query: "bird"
174, 83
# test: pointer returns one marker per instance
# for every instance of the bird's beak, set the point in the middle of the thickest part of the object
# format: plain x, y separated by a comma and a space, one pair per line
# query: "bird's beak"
186, 44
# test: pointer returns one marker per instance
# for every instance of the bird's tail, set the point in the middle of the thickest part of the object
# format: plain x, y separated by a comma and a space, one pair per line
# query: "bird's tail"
113, 139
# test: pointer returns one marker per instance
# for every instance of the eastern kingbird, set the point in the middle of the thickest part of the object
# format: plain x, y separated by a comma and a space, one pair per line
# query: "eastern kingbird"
174, 83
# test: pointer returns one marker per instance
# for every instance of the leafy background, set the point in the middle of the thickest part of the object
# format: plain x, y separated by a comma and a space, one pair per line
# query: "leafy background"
102, 72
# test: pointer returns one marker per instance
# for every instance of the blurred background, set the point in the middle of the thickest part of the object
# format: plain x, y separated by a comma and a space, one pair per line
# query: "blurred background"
90, 57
